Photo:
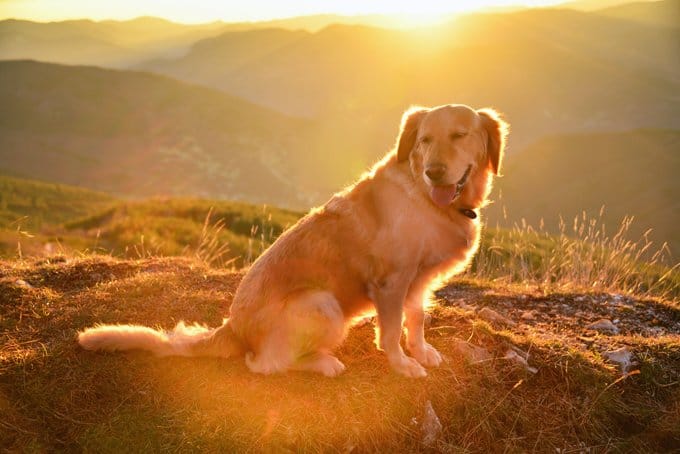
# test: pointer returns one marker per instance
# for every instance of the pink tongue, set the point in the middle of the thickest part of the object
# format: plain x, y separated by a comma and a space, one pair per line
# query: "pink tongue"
443, 195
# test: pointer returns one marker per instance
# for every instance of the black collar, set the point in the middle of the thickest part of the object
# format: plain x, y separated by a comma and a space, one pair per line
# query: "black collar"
468, 212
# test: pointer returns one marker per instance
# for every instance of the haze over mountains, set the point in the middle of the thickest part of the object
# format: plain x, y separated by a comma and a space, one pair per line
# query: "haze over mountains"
289, 110
549, 71
143, 134
632, 173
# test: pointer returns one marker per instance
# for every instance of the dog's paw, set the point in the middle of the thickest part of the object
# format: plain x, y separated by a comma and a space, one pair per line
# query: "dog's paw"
427, 355
409, 367
330, 366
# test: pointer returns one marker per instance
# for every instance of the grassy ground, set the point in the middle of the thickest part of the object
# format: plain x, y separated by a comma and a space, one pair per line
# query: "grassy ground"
151, 227
55, 396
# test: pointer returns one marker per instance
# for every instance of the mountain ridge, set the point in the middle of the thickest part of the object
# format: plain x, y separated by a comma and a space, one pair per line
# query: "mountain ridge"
106, 129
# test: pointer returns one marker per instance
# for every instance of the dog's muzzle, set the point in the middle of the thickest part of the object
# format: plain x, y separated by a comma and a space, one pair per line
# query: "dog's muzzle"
444, 195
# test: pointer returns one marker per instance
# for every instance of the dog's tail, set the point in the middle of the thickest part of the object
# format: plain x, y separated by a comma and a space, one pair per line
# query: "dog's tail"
183, 340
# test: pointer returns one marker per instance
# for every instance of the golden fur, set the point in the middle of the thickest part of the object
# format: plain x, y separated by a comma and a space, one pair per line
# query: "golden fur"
379, 245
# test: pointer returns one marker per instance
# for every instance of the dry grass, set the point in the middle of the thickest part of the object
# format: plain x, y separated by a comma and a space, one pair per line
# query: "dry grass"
54, 396
582, 257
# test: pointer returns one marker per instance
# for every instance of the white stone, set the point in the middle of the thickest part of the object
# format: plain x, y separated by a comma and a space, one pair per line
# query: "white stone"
514, 356
528, 315
623, 357
23, 283
494, 317
472, 352
604, 325
431, 427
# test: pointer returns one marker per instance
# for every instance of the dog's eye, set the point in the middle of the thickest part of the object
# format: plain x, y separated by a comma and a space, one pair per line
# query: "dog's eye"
457, 135
425, 140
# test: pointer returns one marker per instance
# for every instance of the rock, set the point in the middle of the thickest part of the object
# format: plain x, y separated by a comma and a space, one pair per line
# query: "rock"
466, 307
472, 352
22, 283
604, 325
655, 331
494, 317
431, 428
587, 340
514, 356
527, 315
623, 357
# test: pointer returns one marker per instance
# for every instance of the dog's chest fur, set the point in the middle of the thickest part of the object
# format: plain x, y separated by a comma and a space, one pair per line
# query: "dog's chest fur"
414, 236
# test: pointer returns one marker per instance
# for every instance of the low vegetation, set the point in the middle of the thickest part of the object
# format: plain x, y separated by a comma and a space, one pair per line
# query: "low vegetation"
55, 396
533, 374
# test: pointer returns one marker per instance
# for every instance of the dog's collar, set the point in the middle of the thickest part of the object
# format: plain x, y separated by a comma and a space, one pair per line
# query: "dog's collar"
468, 212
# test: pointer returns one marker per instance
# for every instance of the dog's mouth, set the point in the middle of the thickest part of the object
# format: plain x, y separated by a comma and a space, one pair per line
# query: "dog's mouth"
444, 194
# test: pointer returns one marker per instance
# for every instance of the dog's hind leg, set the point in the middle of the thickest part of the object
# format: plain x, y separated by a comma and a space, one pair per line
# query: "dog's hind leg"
310, 326
321, 362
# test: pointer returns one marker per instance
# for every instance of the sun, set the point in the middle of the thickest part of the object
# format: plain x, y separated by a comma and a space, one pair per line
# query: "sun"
418, 20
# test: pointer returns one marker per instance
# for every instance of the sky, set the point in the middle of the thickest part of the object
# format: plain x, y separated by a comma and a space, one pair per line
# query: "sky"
195, 11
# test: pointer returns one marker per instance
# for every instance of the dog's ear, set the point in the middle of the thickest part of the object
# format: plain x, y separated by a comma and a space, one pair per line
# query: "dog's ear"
409, 131
496, 132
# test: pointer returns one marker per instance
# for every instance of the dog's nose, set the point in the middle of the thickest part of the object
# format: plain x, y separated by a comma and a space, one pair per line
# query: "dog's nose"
435, 172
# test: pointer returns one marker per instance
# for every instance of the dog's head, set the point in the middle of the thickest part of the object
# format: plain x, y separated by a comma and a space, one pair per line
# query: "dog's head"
451, 148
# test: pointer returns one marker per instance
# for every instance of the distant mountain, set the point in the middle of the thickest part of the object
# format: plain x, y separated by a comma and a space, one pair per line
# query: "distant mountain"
104, 43
630, 173
142, 134
211, 60
550, 70
121, 44
665, 13
594, 5
316, 22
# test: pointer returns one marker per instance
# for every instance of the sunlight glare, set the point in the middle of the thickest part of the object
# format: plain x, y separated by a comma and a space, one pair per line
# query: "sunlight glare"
411, 14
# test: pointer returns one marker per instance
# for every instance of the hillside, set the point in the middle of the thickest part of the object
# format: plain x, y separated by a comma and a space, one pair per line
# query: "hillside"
598, 5
40, 219
666, 13
33, 204
210, 61
529, 376
44, 220
629, 173
220, 232
141, 134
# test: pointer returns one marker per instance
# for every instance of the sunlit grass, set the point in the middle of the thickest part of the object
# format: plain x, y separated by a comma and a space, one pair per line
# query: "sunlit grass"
582, 256
57, 397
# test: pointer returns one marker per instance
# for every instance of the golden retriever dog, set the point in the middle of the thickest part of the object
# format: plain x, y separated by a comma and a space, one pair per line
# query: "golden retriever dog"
379, 245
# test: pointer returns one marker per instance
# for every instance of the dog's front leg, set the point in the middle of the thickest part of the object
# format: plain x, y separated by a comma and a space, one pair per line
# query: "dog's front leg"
389, 302
423, 352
